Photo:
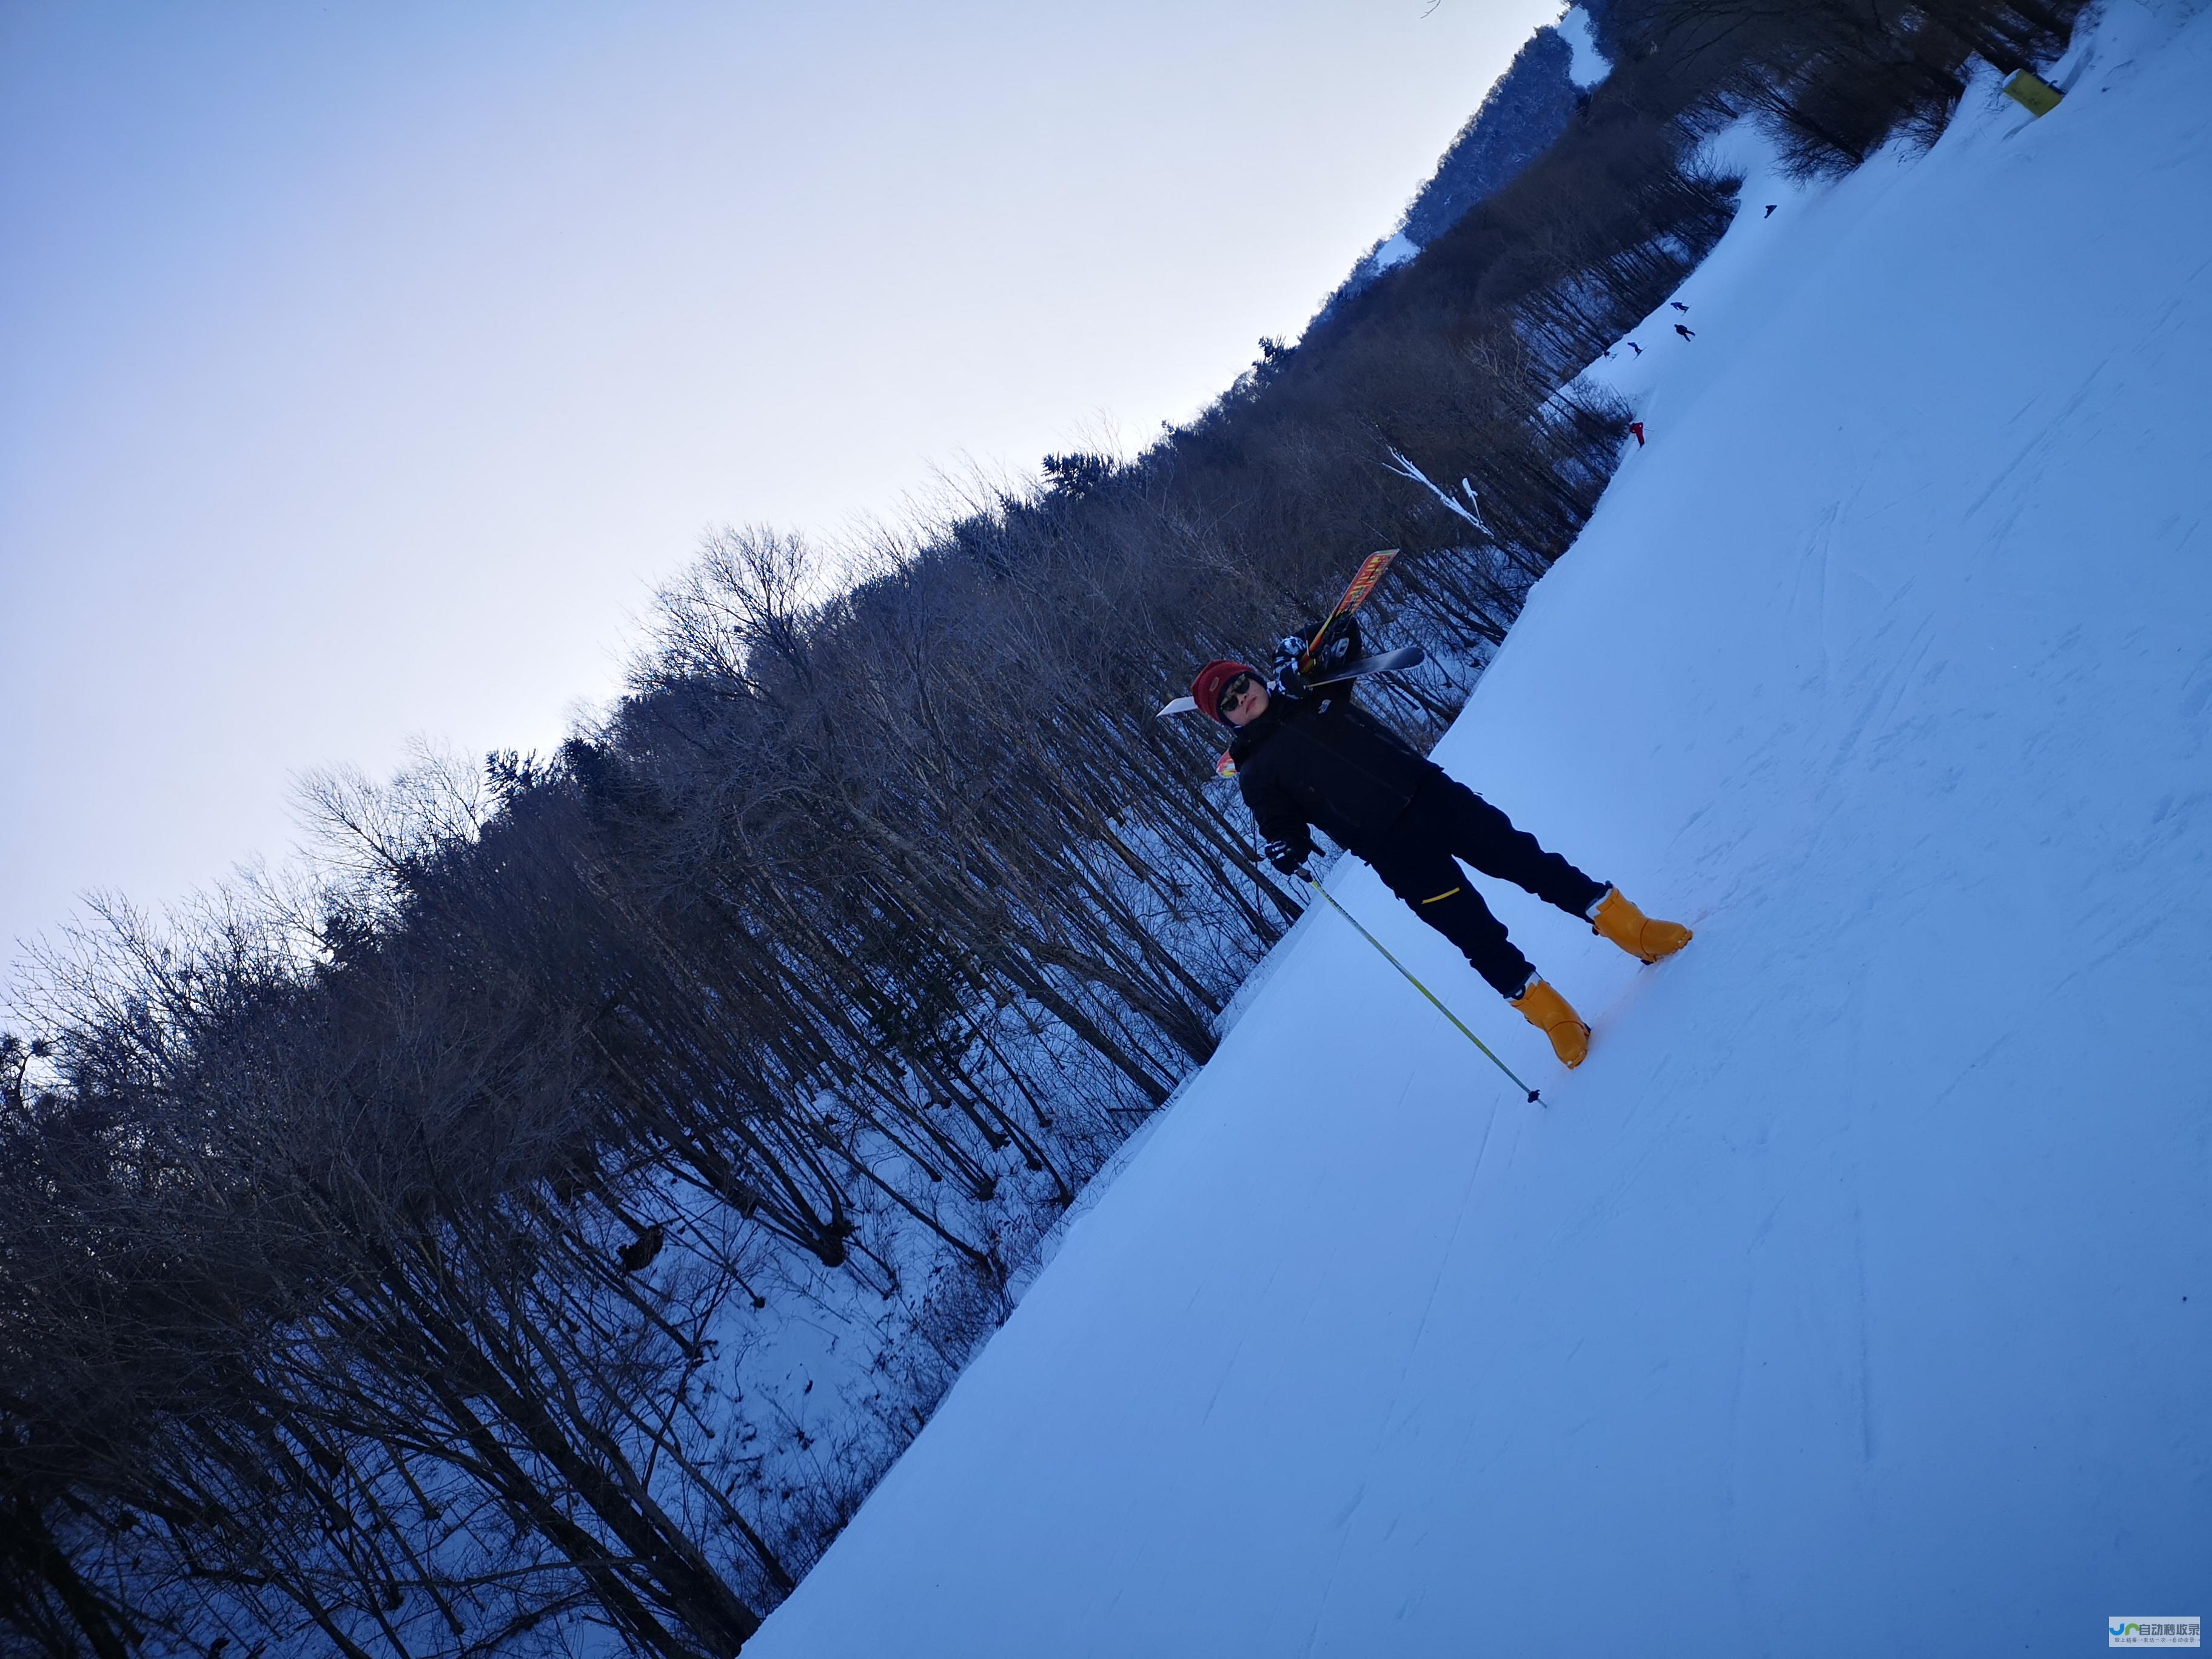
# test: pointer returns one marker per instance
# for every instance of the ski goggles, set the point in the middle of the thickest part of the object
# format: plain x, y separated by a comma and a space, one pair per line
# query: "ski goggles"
1233, 693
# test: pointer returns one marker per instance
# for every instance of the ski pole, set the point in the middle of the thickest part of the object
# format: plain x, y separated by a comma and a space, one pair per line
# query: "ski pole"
1417, 986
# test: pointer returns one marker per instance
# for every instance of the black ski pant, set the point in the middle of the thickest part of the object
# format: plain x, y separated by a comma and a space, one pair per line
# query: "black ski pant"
1445, 821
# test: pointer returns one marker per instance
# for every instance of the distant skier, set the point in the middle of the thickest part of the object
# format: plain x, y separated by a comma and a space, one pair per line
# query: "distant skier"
1637, 427
1678, 305
1635, 347
1308, 758
1770, 206
1687, 334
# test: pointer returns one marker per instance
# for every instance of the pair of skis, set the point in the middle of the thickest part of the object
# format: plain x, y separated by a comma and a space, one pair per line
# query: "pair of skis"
1362, 583
1380, 662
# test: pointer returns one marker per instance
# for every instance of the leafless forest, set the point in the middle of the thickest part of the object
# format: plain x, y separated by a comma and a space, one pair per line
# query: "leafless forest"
536, 1225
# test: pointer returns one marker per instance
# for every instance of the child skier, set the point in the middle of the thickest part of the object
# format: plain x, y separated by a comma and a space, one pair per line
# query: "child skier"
1308, 758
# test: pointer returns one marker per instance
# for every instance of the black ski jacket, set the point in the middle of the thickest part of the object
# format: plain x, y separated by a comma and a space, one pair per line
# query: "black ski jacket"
1319, 761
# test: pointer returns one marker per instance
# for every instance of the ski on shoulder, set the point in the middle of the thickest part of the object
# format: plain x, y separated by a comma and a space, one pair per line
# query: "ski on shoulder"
1355, 595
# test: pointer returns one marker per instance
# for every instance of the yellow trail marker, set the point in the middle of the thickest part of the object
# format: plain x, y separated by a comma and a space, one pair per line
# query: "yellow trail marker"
2033, 93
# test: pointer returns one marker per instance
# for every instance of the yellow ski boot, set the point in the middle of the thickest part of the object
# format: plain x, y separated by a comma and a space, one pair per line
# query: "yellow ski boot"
1616, 918
1547, 1011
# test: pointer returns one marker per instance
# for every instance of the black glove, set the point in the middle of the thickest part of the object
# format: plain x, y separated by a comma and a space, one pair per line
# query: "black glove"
1290, 856
1288, 650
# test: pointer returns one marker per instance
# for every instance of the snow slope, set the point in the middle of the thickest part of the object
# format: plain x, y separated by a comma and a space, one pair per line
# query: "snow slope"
1857, 1296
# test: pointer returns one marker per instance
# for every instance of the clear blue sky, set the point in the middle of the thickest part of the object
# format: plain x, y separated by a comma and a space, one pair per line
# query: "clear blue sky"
362, 367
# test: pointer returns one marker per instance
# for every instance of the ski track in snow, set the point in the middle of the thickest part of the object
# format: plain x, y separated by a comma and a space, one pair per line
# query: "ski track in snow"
1836, 1306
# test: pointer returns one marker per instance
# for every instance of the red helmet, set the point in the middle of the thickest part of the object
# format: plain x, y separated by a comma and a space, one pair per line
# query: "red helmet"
1205, 686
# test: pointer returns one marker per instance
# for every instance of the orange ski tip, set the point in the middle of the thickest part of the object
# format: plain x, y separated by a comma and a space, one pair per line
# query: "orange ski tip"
1362, 583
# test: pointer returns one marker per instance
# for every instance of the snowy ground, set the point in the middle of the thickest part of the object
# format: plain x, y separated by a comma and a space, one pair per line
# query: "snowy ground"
1857, 1296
